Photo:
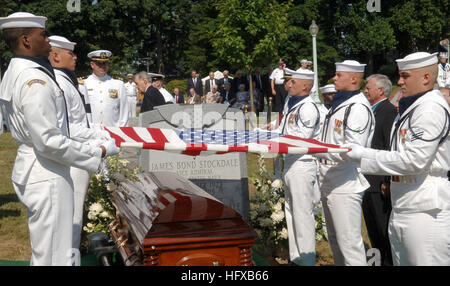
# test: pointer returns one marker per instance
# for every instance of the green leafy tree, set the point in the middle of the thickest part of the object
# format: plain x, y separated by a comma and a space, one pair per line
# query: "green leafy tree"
298, 45
250, 33
364, 34
199, 51
6, 7
420, 24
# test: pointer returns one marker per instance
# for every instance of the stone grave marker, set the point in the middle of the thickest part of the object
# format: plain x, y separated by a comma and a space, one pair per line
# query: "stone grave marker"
223, 176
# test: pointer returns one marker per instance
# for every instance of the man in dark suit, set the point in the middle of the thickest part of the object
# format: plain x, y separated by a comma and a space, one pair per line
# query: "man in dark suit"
258, 80
228, 96
267, 89
225, 79
237, 81
376, 203
210, 82
195, 83
179, 98
152, 96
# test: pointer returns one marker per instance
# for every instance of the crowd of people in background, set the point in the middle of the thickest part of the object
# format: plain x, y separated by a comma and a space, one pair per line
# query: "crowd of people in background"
218, 87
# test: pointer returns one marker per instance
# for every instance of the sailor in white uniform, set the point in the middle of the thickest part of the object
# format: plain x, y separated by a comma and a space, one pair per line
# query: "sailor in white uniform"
301, 117
63, 61
109, 103
36, 108
131, 91
443, 78
419, 226
342, 187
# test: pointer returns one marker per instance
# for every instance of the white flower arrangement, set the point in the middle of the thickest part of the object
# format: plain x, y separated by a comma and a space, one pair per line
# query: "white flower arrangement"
99, 210
267, 214
267, 209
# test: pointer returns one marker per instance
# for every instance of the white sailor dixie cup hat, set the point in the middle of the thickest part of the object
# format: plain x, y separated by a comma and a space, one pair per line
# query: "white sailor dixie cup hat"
350, 66
443, 55
22, 20
61, 42
417, 60
329, 88
307, 74
100, 55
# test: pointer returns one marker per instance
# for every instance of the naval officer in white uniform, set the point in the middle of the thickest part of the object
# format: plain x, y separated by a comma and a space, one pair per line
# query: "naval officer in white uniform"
418, 161
301, 117
131, 91
63, 61
36, 108
443, 78
157, 83
350, 120
109, 103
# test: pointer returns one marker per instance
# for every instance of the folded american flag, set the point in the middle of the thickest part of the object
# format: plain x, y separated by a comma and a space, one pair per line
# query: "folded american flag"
196, 142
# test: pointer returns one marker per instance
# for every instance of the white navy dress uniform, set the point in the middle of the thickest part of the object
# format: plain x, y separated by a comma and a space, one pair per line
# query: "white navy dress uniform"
41, 173
131, 91
320, 106
342, 185
419, 226
80, 131
167, 96
301, 118
107, 96
443, 78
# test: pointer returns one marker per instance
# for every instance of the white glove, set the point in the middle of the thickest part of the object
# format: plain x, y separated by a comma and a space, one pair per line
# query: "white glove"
111, 148
355, 154
96, 142
103, 134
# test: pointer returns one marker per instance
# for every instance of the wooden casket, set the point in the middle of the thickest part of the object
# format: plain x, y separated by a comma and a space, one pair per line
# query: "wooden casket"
164, 219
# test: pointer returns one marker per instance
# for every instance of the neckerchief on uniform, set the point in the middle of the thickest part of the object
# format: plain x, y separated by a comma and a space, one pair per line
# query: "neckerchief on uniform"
406, 102
443, 65
71, 74
341, 96
293, 100
42, 61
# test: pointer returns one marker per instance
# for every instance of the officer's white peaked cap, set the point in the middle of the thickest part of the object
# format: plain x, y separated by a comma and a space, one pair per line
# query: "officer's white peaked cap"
61, 42
417, 60
100, 55
156, 76
350, 66
329, 88
22, 20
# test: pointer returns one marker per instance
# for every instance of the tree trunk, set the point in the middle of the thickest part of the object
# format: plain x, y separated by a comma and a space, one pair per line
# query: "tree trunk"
252, 108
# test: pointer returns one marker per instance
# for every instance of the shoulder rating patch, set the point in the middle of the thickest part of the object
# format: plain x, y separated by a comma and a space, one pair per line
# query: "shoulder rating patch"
33, 81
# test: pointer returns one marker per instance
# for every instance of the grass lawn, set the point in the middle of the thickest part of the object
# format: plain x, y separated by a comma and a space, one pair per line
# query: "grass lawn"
14, 241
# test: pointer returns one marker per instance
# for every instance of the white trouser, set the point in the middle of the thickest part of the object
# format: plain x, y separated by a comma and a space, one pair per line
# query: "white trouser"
50, 212
131, 106
420, 238
301, 194
343, 219
80, 180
